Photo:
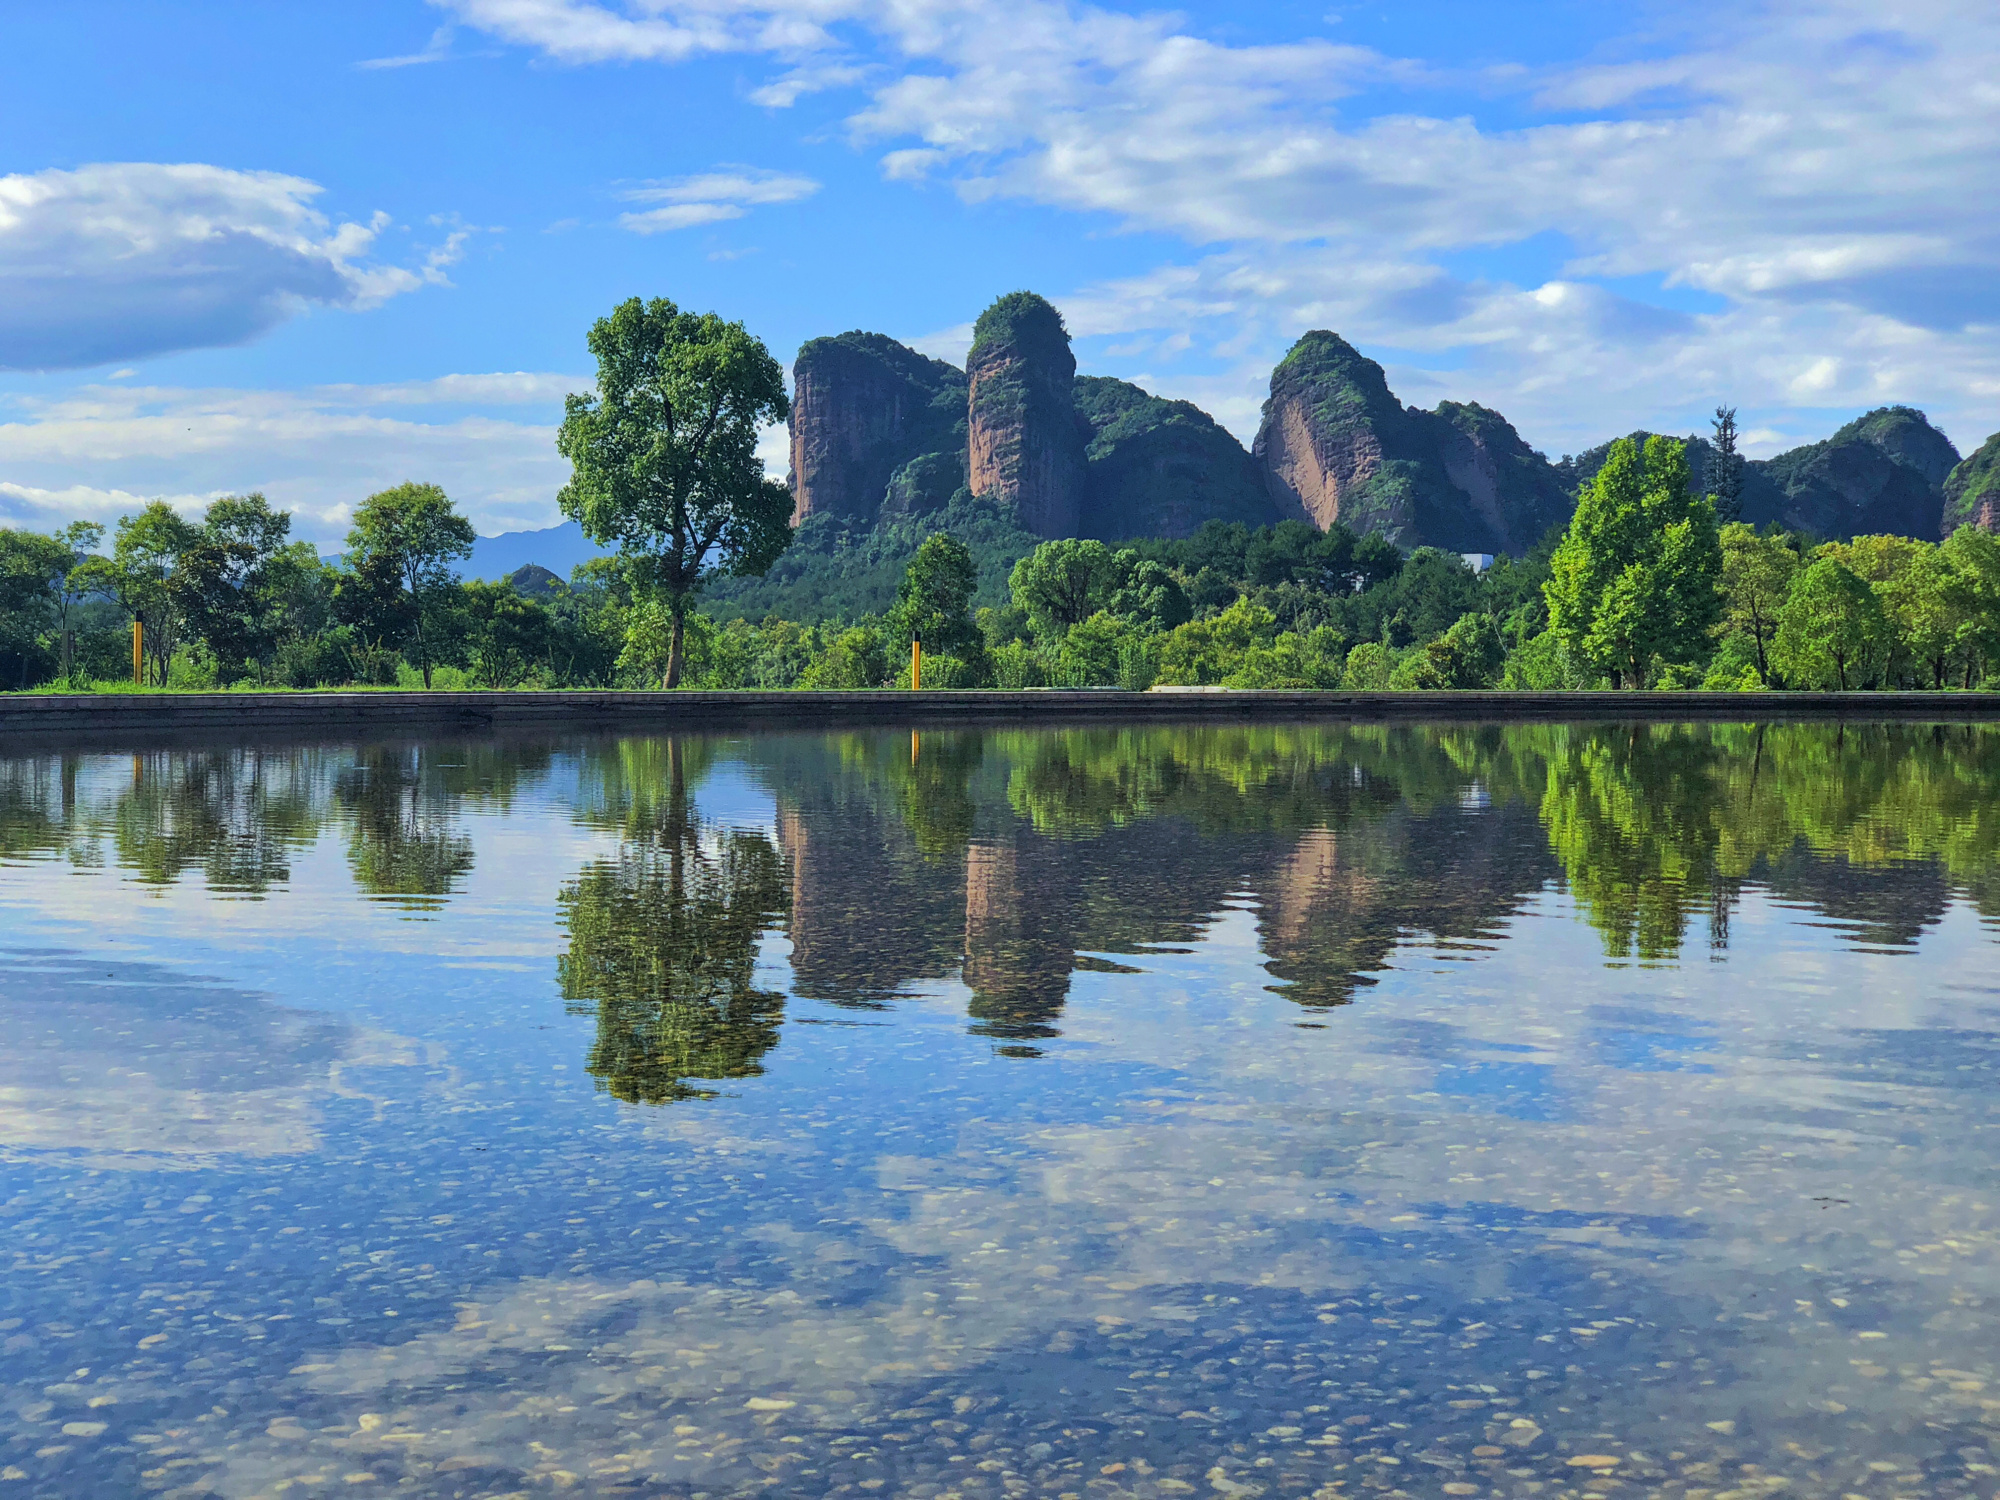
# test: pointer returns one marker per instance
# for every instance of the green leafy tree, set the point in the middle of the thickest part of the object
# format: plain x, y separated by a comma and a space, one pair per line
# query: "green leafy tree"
79, 540
1636, 578
1093, 651
1205, 652
1150, 596
508, 633
1369, 667
146, 551
1467, 656
664, 455
1974, 556
934, 601
414, 534
857, 657
1757, 573
31, 565
1064, 582
1831, 628
222, 581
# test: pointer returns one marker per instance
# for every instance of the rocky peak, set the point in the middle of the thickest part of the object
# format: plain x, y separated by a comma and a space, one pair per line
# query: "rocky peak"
1972, 490
1904, 434
862, 406
1024, 445
1875, 475
1326, 429
1336, 445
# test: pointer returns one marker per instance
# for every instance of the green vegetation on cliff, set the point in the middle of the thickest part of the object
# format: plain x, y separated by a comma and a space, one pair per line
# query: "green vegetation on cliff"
1161, 468
1972, 492
835, 570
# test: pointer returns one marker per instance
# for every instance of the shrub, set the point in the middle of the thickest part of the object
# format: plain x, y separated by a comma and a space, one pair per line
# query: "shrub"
1369, 667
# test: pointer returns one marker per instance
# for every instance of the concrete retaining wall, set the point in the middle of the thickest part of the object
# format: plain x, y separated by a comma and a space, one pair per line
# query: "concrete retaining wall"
116, 718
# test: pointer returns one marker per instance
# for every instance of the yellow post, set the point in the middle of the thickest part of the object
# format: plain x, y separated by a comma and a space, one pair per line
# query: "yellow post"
138, 654
916, 665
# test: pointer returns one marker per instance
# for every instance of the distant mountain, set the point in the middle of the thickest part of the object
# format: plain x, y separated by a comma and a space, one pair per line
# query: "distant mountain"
557, 548
1882, 472
882, 436
1337, 445
1972, 490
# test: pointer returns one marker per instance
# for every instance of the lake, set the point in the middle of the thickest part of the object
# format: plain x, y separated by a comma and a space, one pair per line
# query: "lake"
1220, 1111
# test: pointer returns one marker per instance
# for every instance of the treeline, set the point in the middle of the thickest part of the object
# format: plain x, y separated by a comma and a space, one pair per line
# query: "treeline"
1642, 589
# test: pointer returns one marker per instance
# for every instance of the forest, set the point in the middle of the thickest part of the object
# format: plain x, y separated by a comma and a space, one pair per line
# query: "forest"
1642, 589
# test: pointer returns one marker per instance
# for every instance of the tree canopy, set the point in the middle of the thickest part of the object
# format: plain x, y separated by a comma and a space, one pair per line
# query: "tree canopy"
664, 453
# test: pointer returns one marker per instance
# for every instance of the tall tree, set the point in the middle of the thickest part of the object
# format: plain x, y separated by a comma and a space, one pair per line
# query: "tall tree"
220, 580
1635, 578
31, 566
1832, 627
934, 600
146, 553
664, 455
1975, 560
78, 540
1064, 582
1757, 574
1725, 480
413, 534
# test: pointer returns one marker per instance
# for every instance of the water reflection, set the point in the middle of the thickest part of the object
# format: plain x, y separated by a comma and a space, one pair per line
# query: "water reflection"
403, 842
1273, 1111
663, 937
1010, 862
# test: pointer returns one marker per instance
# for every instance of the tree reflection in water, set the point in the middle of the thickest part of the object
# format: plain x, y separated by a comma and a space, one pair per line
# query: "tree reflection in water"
404, 843
1009, 861
663, 942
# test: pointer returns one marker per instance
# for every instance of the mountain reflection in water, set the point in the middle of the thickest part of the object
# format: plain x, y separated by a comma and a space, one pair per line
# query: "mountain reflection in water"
1013, 860
1264, 1111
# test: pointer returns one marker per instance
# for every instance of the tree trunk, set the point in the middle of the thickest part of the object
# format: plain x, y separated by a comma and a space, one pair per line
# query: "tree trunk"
675, 640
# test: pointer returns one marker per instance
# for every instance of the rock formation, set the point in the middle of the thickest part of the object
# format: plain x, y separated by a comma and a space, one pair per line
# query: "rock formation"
1161, 468
1336, 445
1019, 448
1972, 490
1883, 472
864, 408
1025, 446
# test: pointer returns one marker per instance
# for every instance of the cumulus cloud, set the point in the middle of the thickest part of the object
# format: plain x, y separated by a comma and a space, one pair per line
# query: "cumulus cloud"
710, 197
1809, 168
124, 260
101, 451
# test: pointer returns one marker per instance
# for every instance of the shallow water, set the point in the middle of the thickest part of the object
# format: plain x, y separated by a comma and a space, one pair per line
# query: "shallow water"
1212, 1111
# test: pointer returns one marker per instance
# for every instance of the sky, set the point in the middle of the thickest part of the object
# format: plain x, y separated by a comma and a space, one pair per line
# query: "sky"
319, 250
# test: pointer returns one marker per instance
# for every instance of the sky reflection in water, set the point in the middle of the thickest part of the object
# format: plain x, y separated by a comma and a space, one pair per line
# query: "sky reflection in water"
1211, 1111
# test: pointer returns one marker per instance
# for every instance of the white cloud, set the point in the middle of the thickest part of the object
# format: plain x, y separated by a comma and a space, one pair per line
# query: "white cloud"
1811, 168
710, 197
101, 451
438, 49
124, 260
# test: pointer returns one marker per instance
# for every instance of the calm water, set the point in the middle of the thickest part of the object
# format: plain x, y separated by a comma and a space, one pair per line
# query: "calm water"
1164, 1112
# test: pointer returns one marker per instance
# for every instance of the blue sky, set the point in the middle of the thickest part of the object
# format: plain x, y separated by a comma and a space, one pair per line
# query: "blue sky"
319, 250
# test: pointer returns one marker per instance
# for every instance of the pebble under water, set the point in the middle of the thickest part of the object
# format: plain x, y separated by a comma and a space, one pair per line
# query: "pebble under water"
1287, 1111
